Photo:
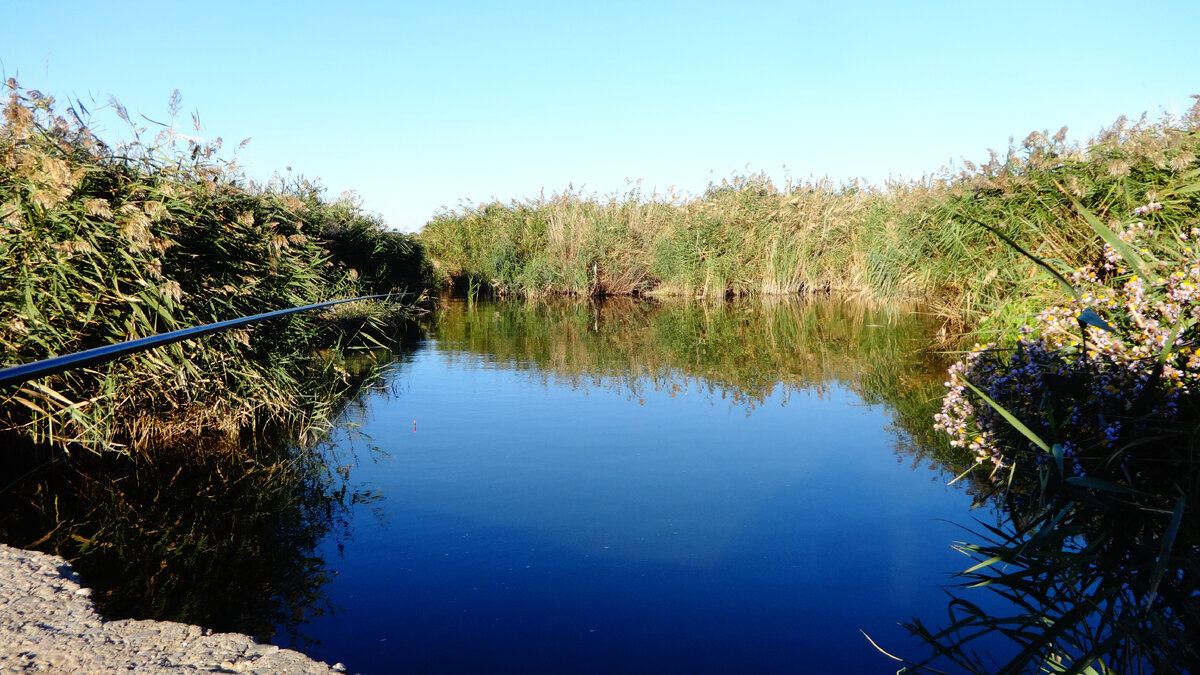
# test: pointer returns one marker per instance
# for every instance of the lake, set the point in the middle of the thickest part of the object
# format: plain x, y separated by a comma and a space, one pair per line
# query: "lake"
573, 486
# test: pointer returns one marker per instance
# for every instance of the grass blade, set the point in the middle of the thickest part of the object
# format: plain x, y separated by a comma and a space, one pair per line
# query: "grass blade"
1062, 281
1119, 245
1164, 551
1010, 418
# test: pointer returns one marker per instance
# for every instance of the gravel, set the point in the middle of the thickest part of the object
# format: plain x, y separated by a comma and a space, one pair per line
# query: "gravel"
48, 624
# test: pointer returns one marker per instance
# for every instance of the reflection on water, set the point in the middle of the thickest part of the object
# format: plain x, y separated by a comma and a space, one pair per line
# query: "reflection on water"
743, 352
572, 486
220, 537
213, 533
579, 486
1093, 575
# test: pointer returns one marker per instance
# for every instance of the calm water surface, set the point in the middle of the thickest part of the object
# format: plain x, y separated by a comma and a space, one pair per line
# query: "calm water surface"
627, 488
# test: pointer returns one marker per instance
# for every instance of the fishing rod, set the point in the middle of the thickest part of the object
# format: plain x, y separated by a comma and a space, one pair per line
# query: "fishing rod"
91, 357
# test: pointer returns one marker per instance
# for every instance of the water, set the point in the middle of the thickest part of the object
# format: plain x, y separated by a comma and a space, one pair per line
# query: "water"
557, 487
562, 511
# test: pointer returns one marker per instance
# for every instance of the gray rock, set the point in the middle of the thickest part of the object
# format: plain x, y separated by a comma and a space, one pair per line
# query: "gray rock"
48, 624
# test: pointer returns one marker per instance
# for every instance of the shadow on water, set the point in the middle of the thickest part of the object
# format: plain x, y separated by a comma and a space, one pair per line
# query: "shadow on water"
220, 533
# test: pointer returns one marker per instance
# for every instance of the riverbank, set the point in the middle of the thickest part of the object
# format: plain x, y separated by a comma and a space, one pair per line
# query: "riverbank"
924, 241
48, 624
103, 242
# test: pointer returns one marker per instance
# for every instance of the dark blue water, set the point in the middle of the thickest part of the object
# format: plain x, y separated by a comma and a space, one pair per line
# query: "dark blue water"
537, 523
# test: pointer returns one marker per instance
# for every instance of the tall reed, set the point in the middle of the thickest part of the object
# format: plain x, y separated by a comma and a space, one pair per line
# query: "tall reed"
915, 241
101, 244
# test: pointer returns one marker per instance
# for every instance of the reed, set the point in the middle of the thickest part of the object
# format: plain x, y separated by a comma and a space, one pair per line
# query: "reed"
744, 237
916, 241
101, 244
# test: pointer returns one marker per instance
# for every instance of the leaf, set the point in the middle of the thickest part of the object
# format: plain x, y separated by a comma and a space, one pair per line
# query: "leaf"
961, 475
1042, 263
1119, 245
1100, 484
29, 404
1169, 347
1010, 418
1187, 189
149, 299
990, 561
1164, 551
141, 317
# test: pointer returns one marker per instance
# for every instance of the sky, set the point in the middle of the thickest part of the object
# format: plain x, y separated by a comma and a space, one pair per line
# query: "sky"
423, 107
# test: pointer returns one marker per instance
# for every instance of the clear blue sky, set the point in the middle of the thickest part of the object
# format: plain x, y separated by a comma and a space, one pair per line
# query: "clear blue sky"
421, 105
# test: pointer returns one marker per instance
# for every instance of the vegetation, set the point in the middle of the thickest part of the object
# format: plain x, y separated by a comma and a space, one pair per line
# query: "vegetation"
912, 242
101, 244
741, 238
1089, 427
1084, 422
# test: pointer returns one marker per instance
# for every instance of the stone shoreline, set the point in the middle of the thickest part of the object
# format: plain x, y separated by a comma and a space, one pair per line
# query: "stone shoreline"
48, 624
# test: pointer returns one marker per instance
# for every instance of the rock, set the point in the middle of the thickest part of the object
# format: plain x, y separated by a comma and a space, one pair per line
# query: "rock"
48, 624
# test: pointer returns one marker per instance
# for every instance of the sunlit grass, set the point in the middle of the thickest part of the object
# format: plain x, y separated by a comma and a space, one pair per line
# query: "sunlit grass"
903, 242
100, 244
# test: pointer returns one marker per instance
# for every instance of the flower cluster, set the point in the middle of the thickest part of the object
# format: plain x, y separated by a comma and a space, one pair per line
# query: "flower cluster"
1091, 375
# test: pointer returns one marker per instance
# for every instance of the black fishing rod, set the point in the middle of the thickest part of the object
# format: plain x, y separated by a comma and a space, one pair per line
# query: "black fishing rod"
91, 357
